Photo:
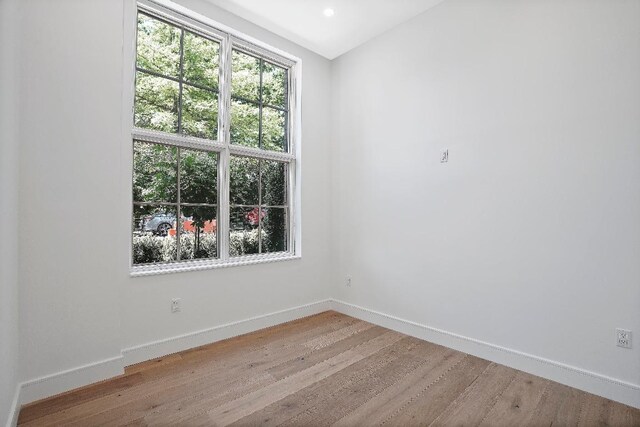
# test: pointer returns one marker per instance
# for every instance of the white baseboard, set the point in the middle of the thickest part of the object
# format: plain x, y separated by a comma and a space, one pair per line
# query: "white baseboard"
592, 382
14, 411
172, 345
601, 385
57, 383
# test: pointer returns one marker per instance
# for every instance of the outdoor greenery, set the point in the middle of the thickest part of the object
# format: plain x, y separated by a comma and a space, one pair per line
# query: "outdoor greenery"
159, 103
177, 91
148, 248
249, 98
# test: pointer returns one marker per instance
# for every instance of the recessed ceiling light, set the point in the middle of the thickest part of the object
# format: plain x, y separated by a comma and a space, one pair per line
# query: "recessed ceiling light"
328, 12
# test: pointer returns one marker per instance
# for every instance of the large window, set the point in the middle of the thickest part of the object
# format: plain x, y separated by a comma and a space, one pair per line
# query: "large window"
214, 162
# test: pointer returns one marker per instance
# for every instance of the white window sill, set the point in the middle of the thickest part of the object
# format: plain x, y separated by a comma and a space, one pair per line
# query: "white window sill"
196, 265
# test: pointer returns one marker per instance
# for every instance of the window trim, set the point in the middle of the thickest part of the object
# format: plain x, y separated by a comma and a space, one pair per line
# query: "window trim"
229, 39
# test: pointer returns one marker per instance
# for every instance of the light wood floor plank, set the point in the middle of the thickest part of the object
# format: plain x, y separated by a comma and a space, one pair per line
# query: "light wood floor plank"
327, 369
519, 399
391, 401
479, 398
315, 355
67, 401
216, 395
287, 408
168, 383
230, 378
233, 411
423, 406
335, 398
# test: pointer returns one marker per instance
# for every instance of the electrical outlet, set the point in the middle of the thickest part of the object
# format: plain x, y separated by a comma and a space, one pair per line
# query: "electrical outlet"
175, 305
444, 156
623, 338
347, 281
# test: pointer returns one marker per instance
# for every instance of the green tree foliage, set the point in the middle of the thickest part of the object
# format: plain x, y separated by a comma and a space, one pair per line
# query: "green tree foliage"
177, 91
199, 192
159, 103
258, 86
260, 186
201, 59
198, 177
158, 46
154, 173
155, 181
244, 181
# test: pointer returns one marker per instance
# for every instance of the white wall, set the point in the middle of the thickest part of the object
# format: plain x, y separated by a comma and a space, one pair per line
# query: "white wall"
78, 305
529, 237
70, 115
8, 214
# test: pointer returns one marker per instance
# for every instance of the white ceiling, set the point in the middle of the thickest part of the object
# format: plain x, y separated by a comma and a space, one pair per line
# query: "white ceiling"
303, 21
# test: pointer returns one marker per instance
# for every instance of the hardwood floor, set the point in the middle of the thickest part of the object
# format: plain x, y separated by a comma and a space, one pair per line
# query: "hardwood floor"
327, 369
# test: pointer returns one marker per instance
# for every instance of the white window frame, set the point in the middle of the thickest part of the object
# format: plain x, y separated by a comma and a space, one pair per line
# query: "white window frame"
229, 39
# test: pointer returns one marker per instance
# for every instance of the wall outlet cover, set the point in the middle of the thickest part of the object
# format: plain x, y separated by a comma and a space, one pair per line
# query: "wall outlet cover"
623, 338
175, 305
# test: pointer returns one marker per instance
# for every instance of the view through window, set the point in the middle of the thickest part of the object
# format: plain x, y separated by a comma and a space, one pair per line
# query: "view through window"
212, 158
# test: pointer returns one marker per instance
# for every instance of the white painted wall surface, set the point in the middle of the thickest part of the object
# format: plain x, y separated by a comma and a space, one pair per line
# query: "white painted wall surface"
70, 116
529, 237
9, 346
78, 304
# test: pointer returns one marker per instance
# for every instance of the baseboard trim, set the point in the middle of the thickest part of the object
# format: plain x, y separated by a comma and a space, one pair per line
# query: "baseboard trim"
601, 385
12, 418
50, 385
57, 383
178, 343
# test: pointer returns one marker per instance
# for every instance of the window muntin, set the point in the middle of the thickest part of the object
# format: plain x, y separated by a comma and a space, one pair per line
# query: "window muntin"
259, 205
171, 183
233, 218
177, 74
259, 107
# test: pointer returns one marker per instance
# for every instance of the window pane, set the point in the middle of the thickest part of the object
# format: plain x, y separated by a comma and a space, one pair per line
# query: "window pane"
273, 183
199, 112
198, 235
156, 104
177, 91
245, 123
201, 60
244, 180
153, 239
273, 129
245, 76
274, 237
158, 46
154, 173
274, 81
198, 177
243, 233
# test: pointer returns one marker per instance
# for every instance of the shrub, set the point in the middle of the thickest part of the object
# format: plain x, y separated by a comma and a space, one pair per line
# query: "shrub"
244, 242
149, 248
208, 246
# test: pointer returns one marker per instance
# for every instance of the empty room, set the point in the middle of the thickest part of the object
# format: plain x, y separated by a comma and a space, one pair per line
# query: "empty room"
320, 212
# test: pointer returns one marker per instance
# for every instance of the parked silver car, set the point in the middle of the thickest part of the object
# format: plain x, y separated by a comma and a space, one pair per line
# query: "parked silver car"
158, 223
